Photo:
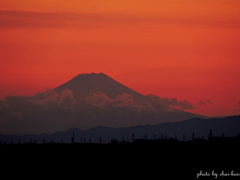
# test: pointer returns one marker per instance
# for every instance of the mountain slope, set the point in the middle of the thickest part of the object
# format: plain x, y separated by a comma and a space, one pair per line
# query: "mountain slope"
83, 84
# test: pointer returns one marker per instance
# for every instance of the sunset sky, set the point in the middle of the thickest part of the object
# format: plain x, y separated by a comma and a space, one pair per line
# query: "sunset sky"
178, 49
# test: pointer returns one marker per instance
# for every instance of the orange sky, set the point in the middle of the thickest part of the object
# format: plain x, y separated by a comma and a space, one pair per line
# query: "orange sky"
185, 49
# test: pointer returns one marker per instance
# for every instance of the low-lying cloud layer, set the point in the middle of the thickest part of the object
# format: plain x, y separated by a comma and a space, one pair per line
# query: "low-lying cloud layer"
98, 99
67, 101
51, 111
64, 100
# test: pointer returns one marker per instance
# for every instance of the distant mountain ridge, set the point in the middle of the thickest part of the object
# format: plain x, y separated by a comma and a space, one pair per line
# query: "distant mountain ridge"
228, 126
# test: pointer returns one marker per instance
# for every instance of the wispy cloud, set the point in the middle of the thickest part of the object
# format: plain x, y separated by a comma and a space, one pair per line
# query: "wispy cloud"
201, 102
32, 19
35, 19
168, 103
208, 101
205, 102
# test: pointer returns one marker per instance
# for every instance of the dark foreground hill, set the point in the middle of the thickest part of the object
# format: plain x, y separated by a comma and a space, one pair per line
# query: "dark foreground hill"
184, 130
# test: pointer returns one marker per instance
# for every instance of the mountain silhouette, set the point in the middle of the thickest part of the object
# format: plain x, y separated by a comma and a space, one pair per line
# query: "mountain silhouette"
88, 101
83, 84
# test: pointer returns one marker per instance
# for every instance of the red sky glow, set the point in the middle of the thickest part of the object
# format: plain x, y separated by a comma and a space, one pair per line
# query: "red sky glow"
183, 49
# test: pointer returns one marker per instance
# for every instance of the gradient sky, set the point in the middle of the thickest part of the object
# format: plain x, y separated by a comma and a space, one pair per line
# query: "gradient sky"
184, 49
